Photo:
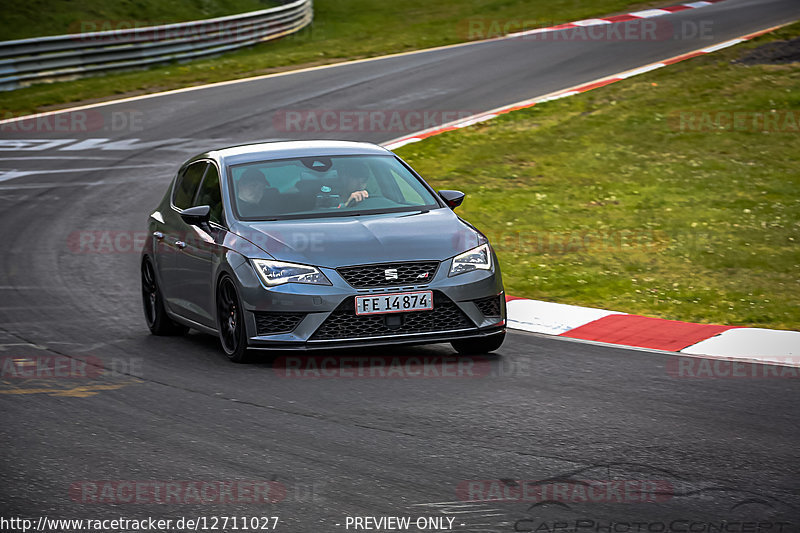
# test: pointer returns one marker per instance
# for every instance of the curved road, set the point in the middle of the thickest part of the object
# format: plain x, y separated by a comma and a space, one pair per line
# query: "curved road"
175, 409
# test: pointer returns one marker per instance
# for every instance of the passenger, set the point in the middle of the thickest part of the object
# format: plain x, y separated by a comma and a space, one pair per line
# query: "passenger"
250, 192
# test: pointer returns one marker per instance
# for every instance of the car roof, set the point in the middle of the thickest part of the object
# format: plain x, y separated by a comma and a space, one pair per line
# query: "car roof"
248, 153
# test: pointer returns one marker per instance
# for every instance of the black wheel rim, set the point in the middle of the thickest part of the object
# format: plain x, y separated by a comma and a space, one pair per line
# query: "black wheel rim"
149, 293
230, 319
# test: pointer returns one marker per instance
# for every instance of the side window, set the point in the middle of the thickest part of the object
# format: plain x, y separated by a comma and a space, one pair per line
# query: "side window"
408, 193
186, 186
210, 194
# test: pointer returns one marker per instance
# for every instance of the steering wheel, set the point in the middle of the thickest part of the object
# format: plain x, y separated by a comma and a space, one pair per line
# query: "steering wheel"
372, 202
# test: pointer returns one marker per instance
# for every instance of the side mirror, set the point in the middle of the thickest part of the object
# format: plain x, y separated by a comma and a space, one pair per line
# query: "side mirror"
198, 215
453, 199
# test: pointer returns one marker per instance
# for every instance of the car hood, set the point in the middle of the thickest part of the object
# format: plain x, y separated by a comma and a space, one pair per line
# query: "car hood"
354, 240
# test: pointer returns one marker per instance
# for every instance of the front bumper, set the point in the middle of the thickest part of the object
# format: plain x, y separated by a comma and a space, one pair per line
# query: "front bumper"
323, 317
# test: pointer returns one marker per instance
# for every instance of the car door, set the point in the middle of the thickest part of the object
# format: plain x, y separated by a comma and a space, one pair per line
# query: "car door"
194, 261
173, 238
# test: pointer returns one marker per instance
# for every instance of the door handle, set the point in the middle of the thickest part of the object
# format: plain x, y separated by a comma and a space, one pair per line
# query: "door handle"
158, 235
180, 244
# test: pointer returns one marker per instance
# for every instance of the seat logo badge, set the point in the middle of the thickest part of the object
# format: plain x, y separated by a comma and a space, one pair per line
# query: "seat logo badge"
390, 273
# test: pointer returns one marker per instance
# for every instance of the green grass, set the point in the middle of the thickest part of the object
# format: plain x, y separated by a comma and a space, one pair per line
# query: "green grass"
342, 30
36, 18
600, 200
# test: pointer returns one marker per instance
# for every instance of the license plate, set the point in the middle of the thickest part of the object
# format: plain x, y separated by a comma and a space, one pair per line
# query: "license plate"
394, 303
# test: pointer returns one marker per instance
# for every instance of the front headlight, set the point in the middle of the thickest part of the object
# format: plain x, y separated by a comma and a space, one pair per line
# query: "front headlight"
479, 258
277, 273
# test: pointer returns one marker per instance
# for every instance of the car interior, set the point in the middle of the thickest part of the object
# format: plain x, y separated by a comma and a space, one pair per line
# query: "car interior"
313, 185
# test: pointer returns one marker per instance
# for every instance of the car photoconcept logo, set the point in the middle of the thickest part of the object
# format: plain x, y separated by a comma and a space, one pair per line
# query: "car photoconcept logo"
390, 273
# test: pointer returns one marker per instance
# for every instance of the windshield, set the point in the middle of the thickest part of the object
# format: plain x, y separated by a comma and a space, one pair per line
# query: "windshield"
326, 186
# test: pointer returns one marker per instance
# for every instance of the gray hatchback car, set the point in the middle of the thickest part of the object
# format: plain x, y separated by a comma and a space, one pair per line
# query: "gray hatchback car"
317, 244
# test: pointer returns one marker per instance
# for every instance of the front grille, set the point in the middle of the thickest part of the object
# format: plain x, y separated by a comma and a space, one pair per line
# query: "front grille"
343, 323
275, 323
365, 276
490, 306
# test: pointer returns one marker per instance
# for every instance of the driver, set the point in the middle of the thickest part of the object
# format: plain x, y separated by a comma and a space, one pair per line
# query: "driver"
354, 189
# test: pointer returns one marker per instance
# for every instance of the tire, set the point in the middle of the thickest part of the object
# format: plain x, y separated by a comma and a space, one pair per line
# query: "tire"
230, 322
480, 345
154, 313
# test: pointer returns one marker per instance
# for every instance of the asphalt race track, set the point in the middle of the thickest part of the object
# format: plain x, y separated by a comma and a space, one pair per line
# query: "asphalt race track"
175, 410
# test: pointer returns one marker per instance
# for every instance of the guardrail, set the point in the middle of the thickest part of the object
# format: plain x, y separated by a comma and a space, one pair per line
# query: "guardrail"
61, 57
